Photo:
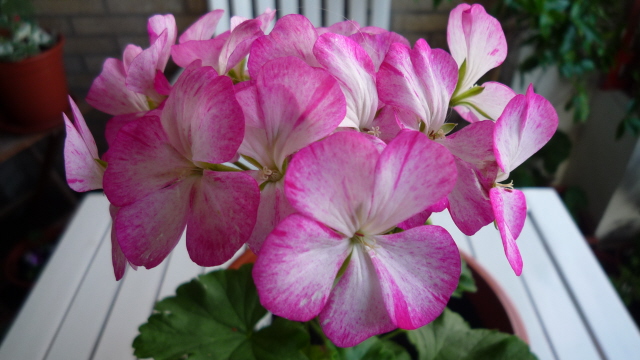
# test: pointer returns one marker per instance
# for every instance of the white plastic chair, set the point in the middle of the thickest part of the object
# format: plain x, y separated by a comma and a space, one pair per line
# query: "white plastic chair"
320, 12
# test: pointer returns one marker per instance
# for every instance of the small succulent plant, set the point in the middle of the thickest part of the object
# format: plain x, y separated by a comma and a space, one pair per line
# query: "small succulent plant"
20, 36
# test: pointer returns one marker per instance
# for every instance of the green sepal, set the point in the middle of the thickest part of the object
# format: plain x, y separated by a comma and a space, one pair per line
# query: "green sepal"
474, 91
448, 127
216, 167
461, 74
468, 104
253, 161
102, 163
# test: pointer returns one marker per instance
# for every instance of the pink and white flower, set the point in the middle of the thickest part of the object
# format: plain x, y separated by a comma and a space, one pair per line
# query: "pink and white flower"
162, 175
349, 195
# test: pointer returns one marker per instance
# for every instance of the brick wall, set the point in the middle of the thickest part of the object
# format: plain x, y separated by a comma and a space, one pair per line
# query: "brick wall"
97, 29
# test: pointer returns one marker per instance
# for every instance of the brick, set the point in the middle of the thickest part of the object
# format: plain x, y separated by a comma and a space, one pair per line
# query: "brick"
80, 80
184, 21
74, 65
91, 45
196, 7
144, 6
116, 25
94, 63
123, 41
68, 7
419, 23
57, 24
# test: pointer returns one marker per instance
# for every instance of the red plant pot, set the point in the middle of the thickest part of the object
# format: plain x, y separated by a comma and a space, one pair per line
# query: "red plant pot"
33, 92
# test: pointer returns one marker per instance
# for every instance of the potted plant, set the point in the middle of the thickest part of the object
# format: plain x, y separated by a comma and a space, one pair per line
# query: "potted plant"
33, 86
345, 152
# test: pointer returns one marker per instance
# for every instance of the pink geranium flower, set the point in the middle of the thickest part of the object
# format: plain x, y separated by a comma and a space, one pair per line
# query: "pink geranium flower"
162, 176
284, 114
350, 194
476, 40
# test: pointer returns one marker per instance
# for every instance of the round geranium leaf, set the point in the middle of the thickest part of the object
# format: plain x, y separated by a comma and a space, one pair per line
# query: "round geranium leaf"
215, 317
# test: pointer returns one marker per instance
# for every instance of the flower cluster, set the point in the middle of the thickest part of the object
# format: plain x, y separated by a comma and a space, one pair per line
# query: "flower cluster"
324, 149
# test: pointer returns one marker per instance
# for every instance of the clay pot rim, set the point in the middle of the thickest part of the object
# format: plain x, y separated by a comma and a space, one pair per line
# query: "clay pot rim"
513, 314
58, 45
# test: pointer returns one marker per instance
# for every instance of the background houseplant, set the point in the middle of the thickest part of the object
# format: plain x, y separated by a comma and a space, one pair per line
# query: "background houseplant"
31, 72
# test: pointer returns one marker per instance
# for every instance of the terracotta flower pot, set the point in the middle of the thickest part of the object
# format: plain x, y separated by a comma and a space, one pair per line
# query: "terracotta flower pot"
33, 92
490, 303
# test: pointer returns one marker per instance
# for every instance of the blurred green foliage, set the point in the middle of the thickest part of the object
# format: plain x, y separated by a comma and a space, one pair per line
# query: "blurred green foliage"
20, 36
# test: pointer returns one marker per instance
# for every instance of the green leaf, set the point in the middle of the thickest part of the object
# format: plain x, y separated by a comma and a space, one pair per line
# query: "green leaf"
466, 283
555, 151
449, 337
375, 349
213, 317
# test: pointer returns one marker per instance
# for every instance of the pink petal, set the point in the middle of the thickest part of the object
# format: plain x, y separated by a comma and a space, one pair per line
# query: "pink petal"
222, 215
293, 35
526, 125
386, 123
141, 74
331, 180
118, 259
418, 270
109, 94
141, 162
80, 154
266, 18
352, 66
160, 84
239, 44
207, 51
155, 27
510, 208
477, 37
118, 122
274, 207
204, 28
491, 101
130, 53
296, 267
297, 113
421, 81
474, 144
412, 173
344, 28
356, 310
377, 45
150, 228
202, 117
469, 203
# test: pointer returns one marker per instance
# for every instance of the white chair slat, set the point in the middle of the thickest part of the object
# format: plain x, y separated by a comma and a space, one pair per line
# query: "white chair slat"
358, 12
444, 219
49, 300
180, 270
489, 252
89, 309
132, 307
242, 8
312, 9
288, 7
334, 12
608, 318
381, 13
224, 23
567, 331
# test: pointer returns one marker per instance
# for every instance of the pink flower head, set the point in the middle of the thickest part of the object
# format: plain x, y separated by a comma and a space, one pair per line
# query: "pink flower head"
349, 195
526, 125
226, 51
81, 161
162, 176
476, 39
420, 81
290, 106
137, 83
